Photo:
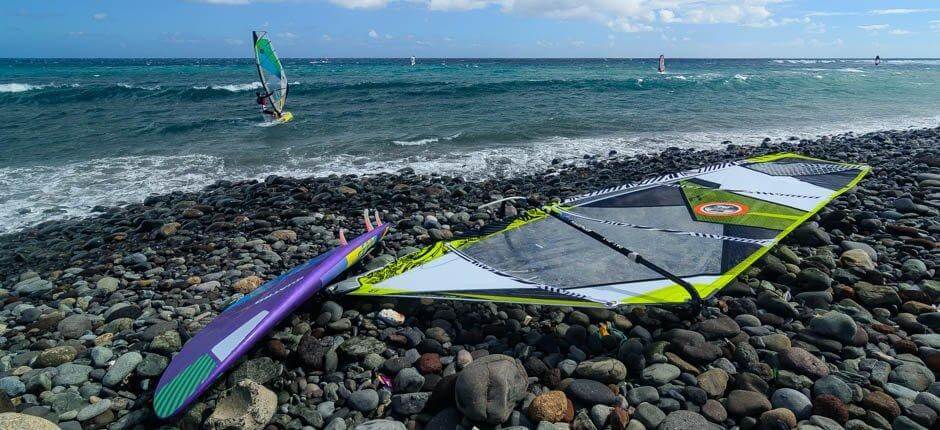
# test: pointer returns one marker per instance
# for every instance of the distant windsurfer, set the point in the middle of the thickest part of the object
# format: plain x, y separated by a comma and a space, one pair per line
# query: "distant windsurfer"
662, 64
262, 100
877, 60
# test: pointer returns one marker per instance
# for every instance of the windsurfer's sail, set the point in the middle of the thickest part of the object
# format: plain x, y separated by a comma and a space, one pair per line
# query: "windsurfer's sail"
270, 71
702, 227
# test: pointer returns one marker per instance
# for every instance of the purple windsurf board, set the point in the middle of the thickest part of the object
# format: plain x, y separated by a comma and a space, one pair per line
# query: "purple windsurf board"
216, 347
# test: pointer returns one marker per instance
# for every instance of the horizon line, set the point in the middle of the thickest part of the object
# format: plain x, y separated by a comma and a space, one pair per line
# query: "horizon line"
471, 58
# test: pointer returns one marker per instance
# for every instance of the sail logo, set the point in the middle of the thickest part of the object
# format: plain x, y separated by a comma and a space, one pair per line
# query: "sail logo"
721, 209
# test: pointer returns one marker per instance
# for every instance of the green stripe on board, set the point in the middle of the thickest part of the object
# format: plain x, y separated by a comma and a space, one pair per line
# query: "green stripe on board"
169, 399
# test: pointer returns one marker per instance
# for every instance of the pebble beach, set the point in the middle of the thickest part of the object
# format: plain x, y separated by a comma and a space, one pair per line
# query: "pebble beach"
837, 327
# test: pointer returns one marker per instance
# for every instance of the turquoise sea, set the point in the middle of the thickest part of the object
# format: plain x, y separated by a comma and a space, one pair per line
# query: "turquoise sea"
83, 133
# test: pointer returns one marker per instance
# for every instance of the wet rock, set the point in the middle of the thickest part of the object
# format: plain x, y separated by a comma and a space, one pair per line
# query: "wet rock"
747, 403
590, 392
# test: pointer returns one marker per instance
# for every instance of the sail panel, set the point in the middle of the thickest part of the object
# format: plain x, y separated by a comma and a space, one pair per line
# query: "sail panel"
270, 71
705, 226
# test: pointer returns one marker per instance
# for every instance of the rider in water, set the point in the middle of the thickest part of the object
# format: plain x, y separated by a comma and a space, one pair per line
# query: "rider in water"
262, 100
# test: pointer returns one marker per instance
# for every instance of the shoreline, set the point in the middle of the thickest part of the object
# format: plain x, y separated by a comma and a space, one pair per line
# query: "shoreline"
94, 299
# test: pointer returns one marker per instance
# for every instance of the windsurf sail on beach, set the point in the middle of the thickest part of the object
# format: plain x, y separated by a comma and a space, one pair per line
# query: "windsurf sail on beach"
270, 71
665, 240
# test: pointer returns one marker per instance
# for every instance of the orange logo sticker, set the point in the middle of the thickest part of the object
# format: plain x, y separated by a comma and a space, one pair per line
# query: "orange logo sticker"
721, 209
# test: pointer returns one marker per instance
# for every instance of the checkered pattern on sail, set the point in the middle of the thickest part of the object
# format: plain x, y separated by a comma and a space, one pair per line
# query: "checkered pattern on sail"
798, 169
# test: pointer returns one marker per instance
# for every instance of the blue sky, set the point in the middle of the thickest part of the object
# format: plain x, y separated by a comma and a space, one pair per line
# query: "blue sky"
472, 28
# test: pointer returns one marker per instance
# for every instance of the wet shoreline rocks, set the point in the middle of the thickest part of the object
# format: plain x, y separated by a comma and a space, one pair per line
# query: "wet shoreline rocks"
836, 327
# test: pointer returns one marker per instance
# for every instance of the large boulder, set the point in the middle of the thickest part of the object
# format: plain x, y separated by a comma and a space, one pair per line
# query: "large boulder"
488, 389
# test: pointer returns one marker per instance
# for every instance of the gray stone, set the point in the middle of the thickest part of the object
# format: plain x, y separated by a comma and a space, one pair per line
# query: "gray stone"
408, 380
660, 373
74, 326
100, 355
360, 346
603, 369
683, 420
33, 287
649, 415
832, 385
12, 386
409, 403
71, 374
488, 389
364, 400
835, 325
381, 425
913, 376
152, 365
642, 394
590, 392
121, 368
93, 410
793, 400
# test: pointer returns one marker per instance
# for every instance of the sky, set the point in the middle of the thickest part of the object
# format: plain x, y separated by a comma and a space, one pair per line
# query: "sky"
472, 28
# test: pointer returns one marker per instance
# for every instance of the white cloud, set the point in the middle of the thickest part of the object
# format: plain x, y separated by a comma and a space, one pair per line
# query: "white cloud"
457, 4
327, 37
899, 32
619, 15
286, 35
873, 27
234, 41
667, 16
100, 16
361, 4
935, 24
824, 13
373, 34
897, 11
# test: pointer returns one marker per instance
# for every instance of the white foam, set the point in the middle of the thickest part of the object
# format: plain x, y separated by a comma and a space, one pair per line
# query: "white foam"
18, 88
15, 87
234, 87
422, 142
29, 195
851, 70
741, 77
138, 87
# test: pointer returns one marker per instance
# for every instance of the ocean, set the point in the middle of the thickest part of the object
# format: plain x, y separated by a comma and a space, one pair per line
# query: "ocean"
85, 133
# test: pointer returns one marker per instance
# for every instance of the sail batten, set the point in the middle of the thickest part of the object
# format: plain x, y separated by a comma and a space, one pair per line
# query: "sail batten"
663, 240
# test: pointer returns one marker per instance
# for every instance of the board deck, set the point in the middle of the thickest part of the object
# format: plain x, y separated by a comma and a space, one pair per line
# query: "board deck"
220, 344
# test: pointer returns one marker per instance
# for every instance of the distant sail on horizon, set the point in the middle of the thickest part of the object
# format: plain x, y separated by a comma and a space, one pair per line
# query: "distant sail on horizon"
662, 64
413, 61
